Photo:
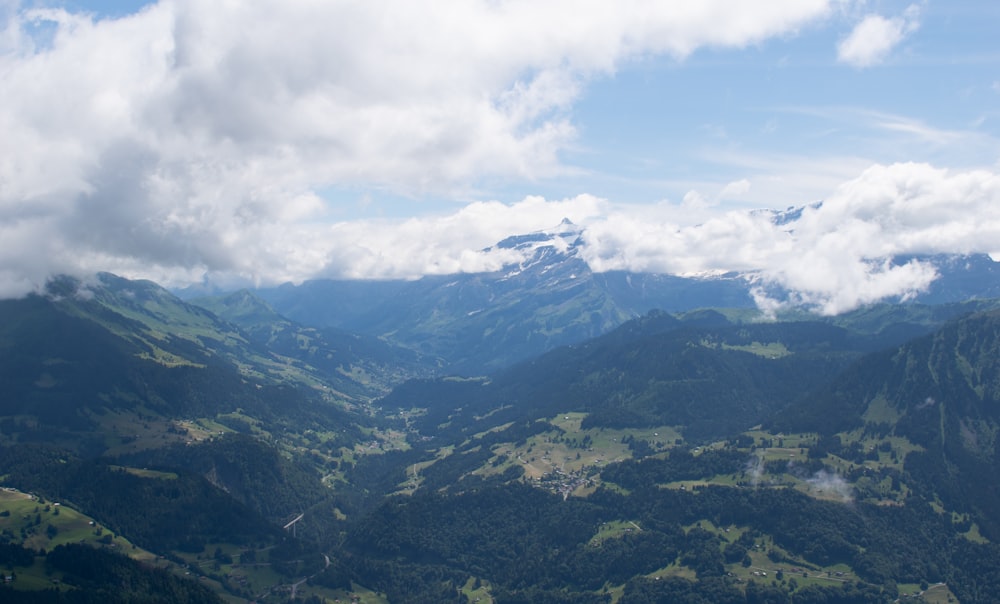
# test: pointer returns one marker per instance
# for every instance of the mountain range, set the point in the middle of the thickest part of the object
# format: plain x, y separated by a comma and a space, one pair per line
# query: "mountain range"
479, 322
542, 433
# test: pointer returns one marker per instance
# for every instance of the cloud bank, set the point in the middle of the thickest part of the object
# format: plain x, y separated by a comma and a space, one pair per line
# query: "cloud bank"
195, 136
835, 255
195, 140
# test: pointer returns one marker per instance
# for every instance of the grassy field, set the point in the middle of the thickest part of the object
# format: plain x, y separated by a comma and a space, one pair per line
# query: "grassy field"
770, 350
937, 593
40, 524
574, 449
477, 591
613, 530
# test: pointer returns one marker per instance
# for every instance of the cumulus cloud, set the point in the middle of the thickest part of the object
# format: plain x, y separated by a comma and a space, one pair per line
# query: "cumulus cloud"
193, 141
735, 189
193, 137
446, 244
835, 255
875, 36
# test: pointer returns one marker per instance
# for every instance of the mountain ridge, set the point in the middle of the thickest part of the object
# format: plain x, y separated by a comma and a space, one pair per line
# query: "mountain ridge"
549, 296
651, 441
942, 392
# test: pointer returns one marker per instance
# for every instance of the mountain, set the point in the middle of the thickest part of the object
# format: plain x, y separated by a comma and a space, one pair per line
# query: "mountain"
703, 455
941, 392
355, 364
961, 277
477, 323
120, 365
877, 478
705, 374
169, 424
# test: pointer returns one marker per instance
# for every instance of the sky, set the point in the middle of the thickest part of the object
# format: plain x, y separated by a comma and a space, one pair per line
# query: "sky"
254, 143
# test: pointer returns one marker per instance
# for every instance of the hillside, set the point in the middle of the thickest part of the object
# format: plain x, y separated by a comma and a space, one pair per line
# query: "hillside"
355, 364
478, 323
703, 454
175, 427
942, 392
702, 373
118, 365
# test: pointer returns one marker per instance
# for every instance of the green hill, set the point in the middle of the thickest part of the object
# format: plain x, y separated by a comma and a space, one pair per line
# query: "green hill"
118, 365
942, 392
357, 365
699, 456
709, 381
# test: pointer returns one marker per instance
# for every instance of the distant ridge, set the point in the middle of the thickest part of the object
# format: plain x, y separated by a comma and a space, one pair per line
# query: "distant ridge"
549, 297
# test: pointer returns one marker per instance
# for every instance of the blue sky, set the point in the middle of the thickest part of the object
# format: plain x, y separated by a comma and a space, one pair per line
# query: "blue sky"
698, 119
661, 125
190, 141
110, 9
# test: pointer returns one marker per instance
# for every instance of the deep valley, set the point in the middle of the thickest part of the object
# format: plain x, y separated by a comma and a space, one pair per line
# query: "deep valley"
216, 449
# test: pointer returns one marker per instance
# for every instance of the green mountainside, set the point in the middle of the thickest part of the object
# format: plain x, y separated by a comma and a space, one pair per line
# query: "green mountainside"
702, 372
358, 365
481, 322
123, 365
942, 392
919, 479
698, 456
177, 428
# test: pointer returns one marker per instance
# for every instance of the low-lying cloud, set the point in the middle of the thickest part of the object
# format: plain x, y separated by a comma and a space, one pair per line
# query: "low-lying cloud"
832, 485
834, 255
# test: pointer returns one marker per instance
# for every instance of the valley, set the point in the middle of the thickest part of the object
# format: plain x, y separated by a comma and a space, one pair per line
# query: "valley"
499, 301
698, 455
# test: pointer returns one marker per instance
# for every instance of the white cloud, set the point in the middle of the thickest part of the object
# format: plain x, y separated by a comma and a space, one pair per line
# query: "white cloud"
831, 484
694, 202
875, 36
735, 189
834, 257
444, 244
192, 137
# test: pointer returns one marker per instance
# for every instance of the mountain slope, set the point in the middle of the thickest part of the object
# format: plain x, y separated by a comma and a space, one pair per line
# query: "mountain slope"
484, 321
499, 507
942, 392
480, 322
355, 364
117, 364
702, 373
122, 400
